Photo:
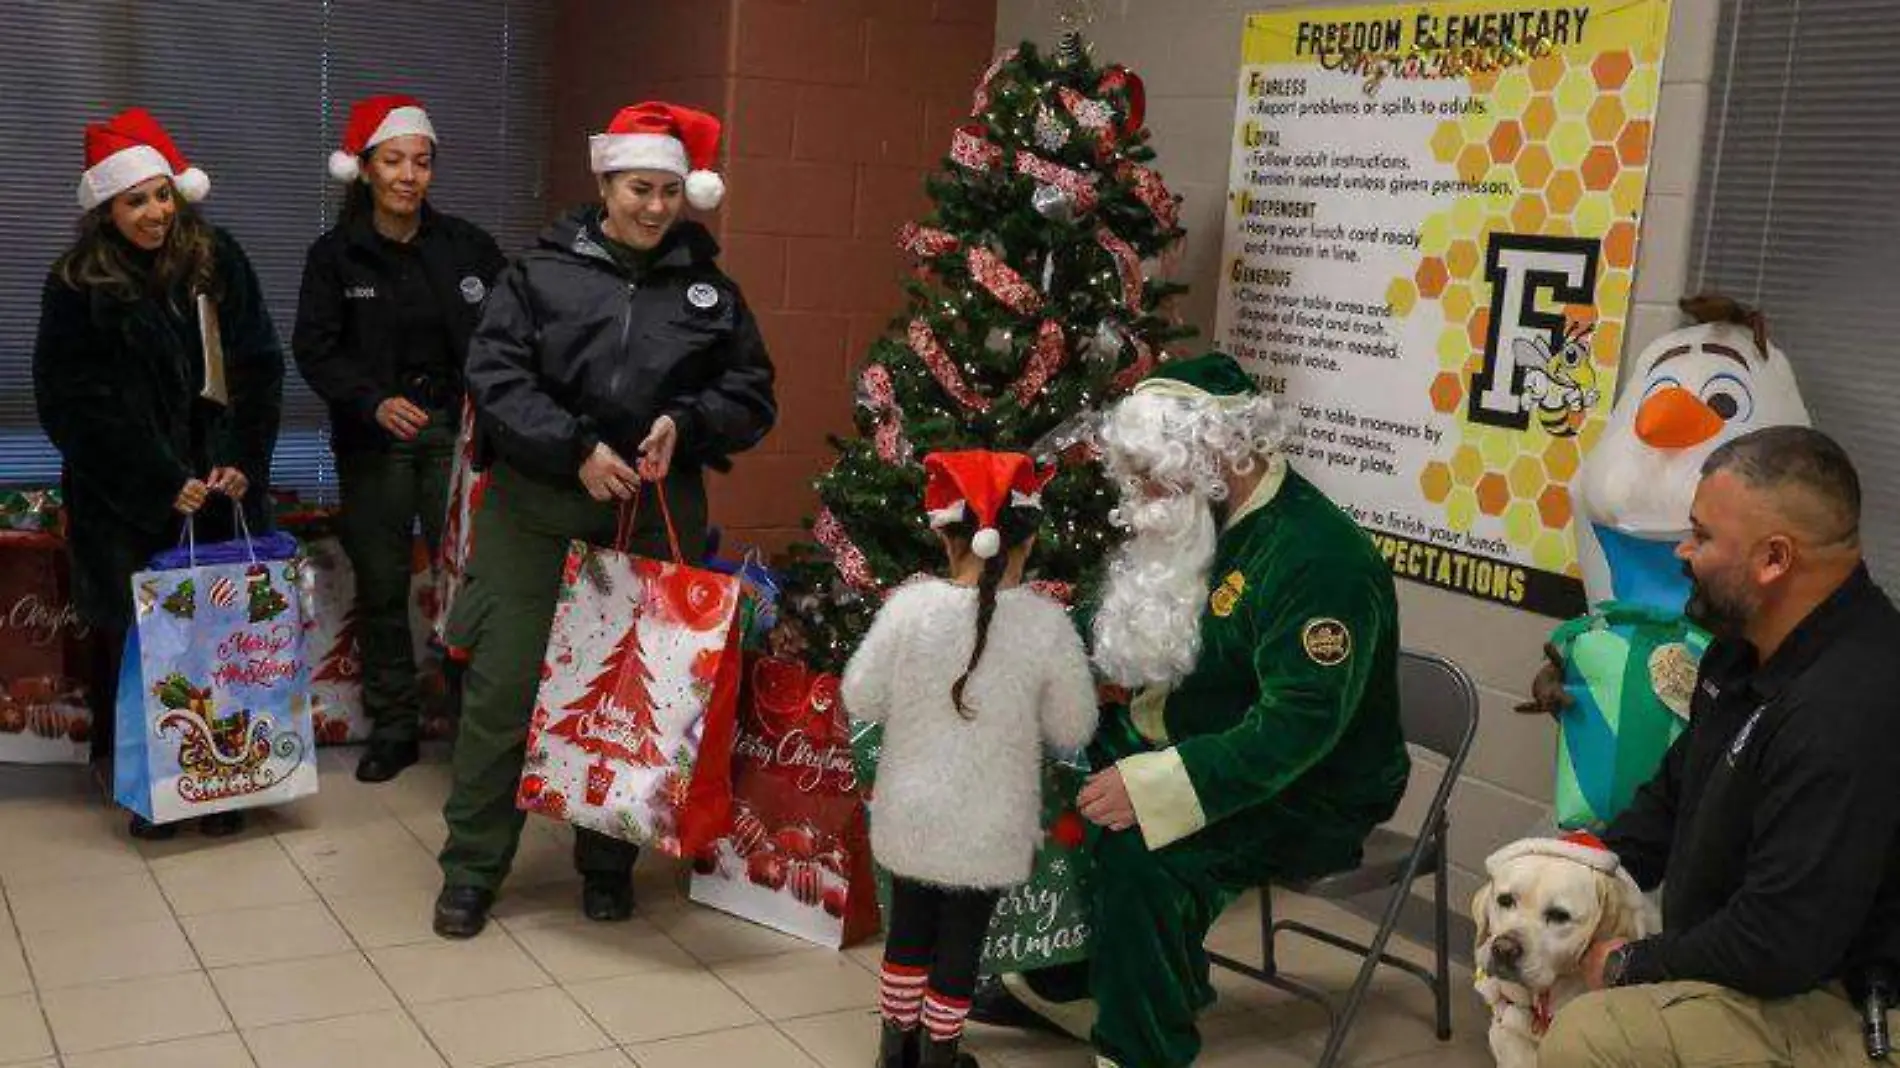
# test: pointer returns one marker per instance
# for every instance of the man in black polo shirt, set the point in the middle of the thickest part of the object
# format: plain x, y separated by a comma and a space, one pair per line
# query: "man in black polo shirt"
1772, 823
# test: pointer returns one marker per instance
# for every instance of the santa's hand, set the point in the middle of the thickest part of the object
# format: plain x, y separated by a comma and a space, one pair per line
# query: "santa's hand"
1104, 801
1548, 694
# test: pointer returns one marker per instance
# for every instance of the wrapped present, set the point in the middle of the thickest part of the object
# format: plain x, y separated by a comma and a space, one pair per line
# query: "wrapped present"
336, 666
632, 729
44, 716
213, 708
798, 858
466, 487
1045, 921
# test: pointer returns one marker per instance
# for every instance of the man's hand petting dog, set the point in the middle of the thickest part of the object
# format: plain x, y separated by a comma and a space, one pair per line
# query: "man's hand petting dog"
1597, 958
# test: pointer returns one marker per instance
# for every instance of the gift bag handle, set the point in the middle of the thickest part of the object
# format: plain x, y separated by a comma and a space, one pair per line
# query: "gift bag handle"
189, 539
630, 509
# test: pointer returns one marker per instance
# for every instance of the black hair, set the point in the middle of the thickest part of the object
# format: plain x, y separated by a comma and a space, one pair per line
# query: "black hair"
1016, 524
1777, 457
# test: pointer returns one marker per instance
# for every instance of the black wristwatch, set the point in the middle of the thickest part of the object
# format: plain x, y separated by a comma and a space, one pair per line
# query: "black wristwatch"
1615, 963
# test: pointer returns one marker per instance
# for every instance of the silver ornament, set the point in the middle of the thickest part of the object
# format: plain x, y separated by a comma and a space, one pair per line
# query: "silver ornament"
999, 340
1053, 204
1051, 132
1107, 343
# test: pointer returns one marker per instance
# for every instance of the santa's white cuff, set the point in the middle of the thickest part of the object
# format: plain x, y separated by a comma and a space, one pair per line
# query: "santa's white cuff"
1163, 795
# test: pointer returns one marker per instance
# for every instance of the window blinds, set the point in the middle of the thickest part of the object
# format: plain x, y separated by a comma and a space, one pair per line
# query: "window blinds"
256, 94
1800, 215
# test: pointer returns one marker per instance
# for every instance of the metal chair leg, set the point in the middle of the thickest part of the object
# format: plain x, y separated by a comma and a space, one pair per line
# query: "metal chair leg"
1267, 931
1442, 932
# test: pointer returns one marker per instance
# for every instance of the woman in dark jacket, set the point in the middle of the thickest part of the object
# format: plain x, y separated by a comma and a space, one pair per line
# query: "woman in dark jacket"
119, 377
390, 297
615, 351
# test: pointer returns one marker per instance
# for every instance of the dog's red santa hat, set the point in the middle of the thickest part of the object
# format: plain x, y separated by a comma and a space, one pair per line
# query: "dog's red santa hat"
129, 148
976, 485
656, 136
1580, 847
373, 120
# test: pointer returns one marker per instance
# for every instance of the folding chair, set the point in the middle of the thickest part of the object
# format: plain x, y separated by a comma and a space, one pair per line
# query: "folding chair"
1438, 708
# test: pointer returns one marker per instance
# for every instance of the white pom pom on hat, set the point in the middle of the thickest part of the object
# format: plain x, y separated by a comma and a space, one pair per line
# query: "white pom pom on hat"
987, 543
705, 190
344, 166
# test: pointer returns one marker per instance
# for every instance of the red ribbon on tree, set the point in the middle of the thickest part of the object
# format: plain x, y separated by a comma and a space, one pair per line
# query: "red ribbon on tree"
848, 558
930, 350
981, 102
1003, 282
1093, 115
1044, 360
971, 149
1058, 591
1152, 191
926, 242
1144, 362
1130, 85
1073, 182
877, 393
1127, 264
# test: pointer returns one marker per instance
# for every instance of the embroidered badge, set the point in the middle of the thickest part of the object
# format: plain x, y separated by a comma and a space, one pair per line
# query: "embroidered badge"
1327, 642
1223, 600
1672, 672
702, 296
473, 290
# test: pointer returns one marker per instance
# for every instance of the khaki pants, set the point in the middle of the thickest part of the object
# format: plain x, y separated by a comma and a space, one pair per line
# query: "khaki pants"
1700, 1025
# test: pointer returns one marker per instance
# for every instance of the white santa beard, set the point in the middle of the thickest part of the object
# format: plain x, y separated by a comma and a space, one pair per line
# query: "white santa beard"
1148, 631
1640, 490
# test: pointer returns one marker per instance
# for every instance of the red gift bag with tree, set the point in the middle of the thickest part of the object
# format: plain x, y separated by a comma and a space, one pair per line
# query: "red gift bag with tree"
633, 725
799, 855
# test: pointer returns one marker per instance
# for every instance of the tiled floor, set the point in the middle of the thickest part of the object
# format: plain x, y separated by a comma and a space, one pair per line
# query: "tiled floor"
305, 944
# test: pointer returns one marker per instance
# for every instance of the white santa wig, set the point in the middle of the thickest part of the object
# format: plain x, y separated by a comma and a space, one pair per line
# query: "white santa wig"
1170, 450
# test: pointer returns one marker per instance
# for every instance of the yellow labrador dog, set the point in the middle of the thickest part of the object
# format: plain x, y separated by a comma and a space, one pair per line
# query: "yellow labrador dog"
1547, 901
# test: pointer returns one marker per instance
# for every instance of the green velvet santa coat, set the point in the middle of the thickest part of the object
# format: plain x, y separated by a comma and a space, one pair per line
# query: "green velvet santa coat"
1273, 759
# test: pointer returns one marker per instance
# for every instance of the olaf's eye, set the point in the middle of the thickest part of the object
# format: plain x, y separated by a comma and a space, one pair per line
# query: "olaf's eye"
1728, 396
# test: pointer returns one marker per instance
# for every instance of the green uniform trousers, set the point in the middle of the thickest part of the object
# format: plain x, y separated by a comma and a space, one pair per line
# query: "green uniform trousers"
1701, 1025
384, 494
1153, 909
501, 618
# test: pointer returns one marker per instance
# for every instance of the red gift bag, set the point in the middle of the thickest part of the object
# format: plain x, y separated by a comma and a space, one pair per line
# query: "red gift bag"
633, 726
44, 717
799, 855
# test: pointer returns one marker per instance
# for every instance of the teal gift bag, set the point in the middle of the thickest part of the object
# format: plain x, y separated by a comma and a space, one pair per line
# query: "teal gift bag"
1630, 671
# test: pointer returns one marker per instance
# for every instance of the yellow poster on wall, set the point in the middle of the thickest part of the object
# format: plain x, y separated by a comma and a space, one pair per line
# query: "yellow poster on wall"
1431, 234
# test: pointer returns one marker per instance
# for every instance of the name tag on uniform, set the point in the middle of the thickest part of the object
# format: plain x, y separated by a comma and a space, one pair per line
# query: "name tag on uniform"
360, 293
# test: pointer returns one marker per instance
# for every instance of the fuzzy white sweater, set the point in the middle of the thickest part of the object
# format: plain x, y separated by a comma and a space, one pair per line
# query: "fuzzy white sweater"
958, 802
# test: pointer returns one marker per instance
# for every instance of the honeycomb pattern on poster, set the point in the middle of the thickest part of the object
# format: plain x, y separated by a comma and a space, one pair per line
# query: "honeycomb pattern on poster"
1562, 133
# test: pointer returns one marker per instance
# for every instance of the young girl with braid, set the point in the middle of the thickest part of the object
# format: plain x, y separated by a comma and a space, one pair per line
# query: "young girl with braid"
971, 676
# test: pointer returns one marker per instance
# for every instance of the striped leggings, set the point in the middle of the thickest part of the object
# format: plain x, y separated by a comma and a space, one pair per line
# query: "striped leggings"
931, 955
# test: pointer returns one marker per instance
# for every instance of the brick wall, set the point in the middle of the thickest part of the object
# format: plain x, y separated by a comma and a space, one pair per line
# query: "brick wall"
835, 111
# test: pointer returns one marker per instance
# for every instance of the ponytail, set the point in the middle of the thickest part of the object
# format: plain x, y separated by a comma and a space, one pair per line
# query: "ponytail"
1017, 524
985, 608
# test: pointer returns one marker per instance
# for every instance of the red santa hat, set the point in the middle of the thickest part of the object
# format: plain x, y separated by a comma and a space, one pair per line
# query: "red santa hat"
1581, 847
129, 148
373, 120
655, 136
975, 485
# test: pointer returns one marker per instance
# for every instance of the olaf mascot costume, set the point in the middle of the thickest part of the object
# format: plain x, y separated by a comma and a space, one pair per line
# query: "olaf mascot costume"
1629, 665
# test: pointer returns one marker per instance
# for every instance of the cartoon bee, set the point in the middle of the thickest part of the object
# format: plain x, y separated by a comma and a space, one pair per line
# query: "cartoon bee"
1560, 386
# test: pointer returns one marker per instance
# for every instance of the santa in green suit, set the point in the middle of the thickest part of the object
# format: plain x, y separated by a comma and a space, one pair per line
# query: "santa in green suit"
1257, 629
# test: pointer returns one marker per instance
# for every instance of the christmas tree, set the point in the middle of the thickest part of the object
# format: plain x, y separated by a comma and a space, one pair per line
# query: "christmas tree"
617, 708
1029, 310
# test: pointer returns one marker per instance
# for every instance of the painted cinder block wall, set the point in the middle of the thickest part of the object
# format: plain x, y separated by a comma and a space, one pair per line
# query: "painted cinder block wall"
1189, 53
835, 110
